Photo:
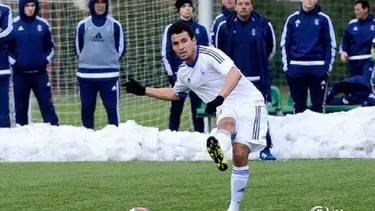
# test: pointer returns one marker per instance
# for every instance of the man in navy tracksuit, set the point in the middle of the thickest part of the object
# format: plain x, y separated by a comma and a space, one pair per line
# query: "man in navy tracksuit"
249, 39
226, 10
308, 50
98, 35
356, 41
30, 50
171, 63
6, 33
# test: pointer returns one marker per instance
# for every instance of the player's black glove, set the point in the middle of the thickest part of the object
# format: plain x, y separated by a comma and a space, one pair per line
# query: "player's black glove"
132, 86
211, 106
172, 79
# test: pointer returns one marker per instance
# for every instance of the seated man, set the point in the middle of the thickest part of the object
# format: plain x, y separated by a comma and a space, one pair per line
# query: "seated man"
356, 90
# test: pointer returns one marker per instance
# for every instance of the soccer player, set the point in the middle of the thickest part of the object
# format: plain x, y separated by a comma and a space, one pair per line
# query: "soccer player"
226, 10
99, 44
239, 106
6, 29
308, 47
249, 40
356, 41
171, 63
30, 51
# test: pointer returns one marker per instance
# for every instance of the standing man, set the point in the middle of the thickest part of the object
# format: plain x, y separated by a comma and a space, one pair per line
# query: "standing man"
249, 40
6, 29
356, 41
98, 35
239, 106
30, 51
226, 10
171, 63
308, 51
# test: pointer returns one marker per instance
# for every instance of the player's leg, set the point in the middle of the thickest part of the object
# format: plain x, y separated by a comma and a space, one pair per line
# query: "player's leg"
21, 92
175, 114
368, 71
251, 136
196, 102
41, 87
110, 94
318, 85
266, 154
298, 87
4, 102
87, 92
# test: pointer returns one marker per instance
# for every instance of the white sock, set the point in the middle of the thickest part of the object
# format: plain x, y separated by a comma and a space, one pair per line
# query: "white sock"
238, 181
224, 138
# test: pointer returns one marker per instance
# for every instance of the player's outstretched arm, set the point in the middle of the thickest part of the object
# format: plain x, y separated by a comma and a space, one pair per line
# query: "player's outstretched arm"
134, 87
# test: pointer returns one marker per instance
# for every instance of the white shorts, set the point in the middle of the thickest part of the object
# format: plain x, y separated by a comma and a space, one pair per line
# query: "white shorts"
251, 124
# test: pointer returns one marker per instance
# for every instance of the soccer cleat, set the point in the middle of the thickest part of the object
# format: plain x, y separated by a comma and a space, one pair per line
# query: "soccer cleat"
216, 153
266, 154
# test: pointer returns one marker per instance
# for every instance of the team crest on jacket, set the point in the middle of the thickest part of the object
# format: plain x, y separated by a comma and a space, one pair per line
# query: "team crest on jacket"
39, 27
197, 31
316, 21
372, 27
297, 22
253, 32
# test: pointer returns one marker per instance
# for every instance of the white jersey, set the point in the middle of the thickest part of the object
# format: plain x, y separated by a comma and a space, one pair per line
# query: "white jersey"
206, 77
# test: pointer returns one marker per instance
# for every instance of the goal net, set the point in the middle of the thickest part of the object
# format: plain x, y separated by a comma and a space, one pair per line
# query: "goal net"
143, 22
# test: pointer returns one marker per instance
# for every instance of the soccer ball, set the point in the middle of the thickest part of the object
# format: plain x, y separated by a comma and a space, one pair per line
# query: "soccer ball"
139, 209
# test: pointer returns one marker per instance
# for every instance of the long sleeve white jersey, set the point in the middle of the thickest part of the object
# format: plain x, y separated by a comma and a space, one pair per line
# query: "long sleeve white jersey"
206, 77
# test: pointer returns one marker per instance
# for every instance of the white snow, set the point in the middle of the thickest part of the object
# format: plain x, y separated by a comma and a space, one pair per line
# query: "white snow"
307, 135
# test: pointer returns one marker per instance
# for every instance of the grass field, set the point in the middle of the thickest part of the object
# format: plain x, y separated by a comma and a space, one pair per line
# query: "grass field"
162, 186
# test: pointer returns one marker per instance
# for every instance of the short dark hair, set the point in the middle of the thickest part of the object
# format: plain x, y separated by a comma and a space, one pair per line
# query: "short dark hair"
364, 4
178, 27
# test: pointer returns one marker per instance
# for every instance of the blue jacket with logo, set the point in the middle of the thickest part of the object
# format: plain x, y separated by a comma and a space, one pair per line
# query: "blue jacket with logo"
358, 37
31, 48
251, 45
219, 20
170, 60
6, 33
357, 90
308, 39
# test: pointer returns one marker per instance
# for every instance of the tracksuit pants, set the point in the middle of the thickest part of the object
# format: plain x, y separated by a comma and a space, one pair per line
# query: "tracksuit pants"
109, 93
359, 67
176, 111
303, 78
268, 135
39, 83
4, 102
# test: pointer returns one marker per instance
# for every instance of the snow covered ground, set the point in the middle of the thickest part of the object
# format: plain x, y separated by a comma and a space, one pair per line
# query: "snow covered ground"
307, 135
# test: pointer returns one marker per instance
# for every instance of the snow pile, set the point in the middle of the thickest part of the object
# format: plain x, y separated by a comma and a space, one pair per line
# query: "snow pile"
308, 135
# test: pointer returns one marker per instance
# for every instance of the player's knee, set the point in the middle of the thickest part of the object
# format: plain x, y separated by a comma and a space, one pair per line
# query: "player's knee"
227, 124
240, 154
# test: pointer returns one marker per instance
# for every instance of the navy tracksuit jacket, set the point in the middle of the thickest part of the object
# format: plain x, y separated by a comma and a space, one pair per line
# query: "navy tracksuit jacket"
357, 90
30, 50
216, 26
308, 50
251, 45
171, 63
356, 42
6, 20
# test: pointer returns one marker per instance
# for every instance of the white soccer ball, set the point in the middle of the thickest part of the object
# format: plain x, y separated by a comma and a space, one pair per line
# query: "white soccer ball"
139, 209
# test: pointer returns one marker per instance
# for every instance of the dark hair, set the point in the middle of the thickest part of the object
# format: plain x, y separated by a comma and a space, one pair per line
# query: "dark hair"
178, 27
364, 4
